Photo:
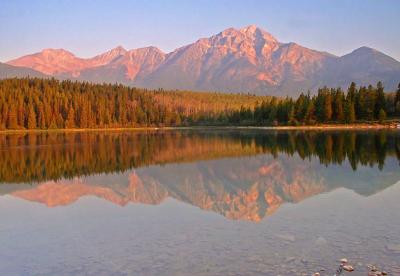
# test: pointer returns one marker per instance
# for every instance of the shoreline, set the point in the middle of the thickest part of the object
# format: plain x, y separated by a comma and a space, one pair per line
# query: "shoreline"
361, 126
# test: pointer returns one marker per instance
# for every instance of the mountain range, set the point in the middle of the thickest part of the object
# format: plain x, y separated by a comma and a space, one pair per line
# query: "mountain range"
248, 60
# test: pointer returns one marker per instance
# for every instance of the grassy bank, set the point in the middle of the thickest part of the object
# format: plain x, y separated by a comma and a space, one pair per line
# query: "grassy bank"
357, 126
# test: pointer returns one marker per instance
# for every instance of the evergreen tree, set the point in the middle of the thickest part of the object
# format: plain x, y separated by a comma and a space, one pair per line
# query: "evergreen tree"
300, 107
12, 122
41, 117
397, 101
70, 123
272, 118
310, 114
338, 106
380, 102
370, 106
53, 122
291, 117
351, 92
83, 119
319, 106
382, 116
328, 107
21, 113
349, 112
31, 118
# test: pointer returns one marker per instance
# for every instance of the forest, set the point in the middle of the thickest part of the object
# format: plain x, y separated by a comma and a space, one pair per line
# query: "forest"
68, 154
33, 103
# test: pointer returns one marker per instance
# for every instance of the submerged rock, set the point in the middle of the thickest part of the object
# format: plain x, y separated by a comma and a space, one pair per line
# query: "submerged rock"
304, 261
286, 237
373, 271
394, 248
320, 241
290, 259
348, 268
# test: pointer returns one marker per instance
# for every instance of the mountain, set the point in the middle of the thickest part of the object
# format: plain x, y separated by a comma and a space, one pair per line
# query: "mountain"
9, 71
248, 59
128, 68
234, 60
364, 65
59, 62
51, 62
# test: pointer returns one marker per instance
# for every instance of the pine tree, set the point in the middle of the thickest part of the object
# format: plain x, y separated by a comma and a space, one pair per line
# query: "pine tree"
382, 116
397, 101
328, 107
338, 106
309, 116
70, 123
272, 118
83, 119
31, 117
370, 106
319, 106
380, 102
12, 122
291, 116
41, 117
349, 112
351, 92
21, 114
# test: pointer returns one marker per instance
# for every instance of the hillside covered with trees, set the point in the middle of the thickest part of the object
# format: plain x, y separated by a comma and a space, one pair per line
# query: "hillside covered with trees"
51, 104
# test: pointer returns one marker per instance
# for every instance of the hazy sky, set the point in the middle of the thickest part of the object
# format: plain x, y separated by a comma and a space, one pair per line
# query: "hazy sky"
88, 27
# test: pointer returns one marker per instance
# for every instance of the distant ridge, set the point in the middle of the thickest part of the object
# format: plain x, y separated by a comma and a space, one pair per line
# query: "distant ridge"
235, 60
9, 71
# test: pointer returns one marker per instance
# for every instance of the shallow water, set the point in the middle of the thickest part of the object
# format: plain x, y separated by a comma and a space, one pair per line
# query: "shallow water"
199, 202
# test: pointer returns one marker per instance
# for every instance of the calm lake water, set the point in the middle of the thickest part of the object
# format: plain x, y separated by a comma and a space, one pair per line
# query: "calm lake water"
227, 202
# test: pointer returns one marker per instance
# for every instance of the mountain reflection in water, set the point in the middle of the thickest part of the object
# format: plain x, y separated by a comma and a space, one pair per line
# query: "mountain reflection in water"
242, 175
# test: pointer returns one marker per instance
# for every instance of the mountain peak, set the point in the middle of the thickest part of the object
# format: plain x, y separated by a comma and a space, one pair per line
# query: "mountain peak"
249, 33
119, 49
365, 49
372, 59
50, 61
249, 29
59, 51
108, 56
254, 31
368, 53
150, 49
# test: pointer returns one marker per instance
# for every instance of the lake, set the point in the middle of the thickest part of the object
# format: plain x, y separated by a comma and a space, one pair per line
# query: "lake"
199, 202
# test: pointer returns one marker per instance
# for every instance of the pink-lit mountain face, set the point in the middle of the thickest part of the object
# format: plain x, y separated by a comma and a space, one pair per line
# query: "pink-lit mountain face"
235, 60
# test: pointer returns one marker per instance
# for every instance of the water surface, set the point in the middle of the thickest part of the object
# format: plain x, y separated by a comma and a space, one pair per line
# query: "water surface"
199, 202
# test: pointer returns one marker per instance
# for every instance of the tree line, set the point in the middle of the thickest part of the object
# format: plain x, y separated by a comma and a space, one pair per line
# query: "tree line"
51, 104
67, 155
330, 105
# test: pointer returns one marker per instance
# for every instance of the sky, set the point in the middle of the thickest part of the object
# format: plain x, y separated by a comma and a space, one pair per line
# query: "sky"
90, 27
